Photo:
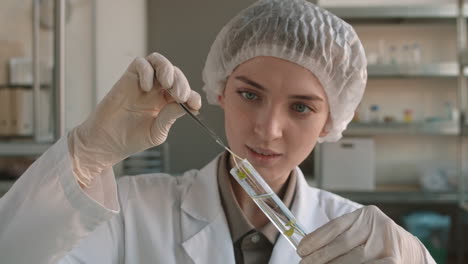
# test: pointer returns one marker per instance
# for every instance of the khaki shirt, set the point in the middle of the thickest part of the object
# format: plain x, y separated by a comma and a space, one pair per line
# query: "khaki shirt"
250, 245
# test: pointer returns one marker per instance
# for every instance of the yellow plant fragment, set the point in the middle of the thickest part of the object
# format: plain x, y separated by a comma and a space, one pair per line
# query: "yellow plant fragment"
289, 232
241, 175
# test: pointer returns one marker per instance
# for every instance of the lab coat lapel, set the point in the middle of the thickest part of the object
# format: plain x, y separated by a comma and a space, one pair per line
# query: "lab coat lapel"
308, 212
205, 232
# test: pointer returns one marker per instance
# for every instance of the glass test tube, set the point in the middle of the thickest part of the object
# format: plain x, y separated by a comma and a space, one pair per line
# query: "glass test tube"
268, 202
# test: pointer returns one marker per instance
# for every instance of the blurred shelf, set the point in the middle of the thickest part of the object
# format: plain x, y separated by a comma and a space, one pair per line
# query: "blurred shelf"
138, 171
369, 197
442, 11
435, 128
23, 148
448, 69
148, 161
5, 186
29, 86
147, 154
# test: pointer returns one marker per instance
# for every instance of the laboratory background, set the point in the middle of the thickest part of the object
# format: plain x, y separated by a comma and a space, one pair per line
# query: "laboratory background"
406, 150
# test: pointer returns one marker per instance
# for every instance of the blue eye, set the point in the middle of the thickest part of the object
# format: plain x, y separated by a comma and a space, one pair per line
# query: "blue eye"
249, 95
301, 108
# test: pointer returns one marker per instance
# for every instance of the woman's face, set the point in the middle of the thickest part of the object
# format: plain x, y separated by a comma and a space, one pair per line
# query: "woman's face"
274, 112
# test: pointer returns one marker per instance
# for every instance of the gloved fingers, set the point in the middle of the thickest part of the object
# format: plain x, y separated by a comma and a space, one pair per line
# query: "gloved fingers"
143, 71
180, 90
356, 255
194, 101
319, 257
170, 77
163, 69
388, 260
343, 244
163, 122
145, 74
327, 233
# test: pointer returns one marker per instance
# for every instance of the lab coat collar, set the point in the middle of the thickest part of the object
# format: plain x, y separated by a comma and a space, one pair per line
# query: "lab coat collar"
308, 212
211, 240
202, 200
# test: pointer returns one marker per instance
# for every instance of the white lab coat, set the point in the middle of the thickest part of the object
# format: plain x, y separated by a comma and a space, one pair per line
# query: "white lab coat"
46, 217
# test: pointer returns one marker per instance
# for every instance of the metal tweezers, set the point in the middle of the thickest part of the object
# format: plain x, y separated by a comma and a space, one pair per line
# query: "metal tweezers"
205, 128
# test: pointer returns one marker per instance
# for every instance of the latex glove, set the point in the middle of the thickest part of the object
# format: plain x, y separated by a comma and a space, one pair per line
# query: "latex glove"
366, 235
135, 115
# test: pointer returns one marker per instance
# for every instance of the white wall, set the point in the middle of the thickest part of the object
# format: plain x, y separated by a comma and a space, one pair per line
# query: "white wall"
102, 39
79, 63
120, 37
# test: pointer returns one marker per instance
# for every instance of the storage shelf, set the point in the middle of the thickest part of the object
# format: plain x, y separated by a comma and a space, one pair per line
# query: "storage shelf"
449, 69
28, 86
446, 11
435, 128
23, 148
369, 197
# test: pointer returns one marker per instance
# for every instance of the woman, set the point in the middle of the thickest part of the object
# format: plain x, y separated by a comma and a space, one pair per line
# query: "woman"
287, 74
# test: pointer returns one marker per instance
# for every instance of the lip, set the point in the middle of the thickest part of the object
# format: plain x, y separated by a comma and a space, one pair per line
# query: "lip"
260, 159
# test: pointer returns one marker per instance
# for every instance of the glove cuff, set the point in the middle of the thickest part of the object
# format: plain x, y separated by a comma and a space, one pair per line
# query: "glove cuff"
85, 168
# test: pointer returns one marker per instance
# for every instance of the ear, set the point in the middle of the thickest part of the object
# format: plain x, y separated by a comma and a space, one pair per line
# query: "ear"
221, 100
325, 129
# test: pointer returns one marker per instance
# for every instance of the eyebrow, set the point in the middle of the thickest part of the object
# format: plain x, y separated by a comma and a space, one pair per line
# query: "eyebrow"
250, 82
307, 97
260, 87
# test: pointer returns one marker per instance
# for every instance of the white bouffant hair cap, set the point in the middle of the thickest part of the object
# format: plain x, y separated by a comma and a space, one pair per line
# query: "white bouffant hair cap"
300, 32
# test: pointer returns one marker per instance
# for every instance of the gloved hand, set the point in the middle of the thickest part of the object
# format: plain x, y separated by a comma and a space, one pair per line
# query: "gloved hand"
366, 235
135, 115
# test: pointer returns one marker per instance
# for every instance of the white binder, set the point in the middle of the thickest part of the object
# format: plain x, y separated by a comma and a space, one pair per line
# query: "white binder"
349, 165
22, 112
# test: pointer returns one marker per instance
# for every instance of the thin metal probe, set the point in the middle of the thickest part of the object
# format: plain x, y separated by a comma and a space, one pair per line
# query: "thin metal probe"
203, 126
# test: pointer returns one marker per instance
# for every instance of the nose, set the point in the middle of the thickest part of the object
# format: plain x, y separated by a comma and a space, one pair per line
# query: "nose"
269, 124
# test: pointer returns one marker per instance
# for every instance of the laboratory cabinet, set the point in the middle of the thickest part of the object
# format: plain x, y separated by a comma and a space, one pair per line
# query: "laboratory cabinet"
414, 111
32, 72
31, 83
53, 74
